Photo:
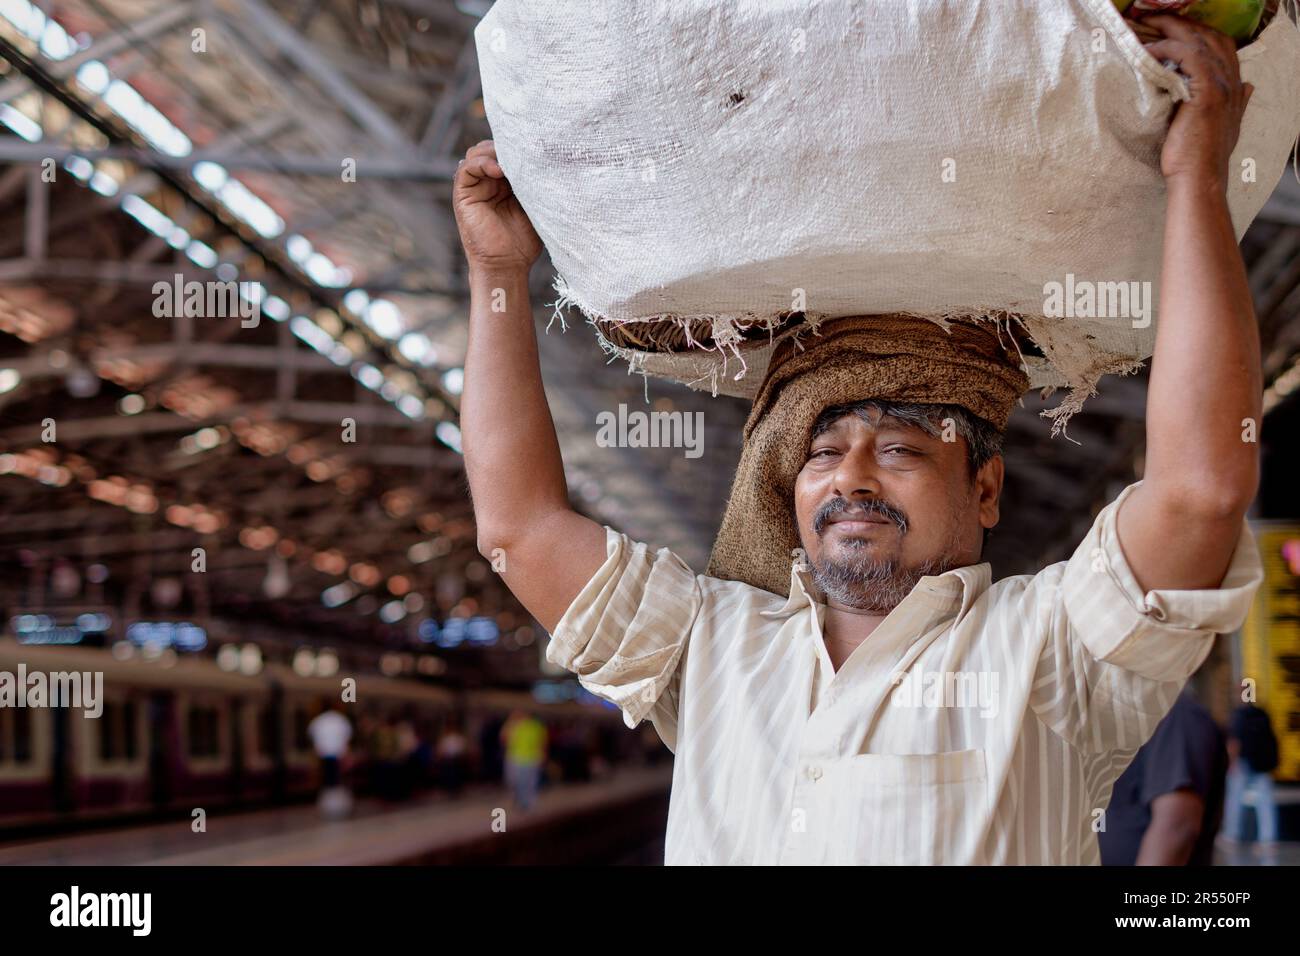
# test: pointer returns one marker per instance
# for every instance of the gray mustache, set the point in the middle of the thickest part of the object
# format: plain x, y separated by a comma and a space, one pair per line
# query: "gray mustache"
870, 508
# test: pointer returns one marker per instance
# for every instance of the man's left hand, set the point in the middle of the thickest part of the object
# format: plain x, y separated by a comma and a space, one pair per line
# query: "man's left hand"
1205, 127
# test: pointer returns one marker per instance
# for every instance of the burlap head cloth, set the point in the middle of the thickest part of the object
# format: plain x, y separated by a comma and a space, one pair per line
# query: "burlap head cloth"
895, 358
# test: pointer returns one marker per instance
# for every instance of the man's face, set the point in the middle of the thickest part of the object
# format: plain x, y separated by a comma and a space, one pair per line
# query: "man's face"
881, 505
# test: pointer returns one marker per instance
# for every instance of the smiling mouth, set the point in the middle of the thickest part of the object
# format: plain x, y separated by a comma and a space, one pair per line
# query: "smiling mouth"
859, 518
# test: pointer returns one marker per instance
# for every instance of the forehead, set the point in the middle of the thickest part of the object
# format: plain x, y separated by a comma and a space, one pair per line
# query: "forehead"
837, 419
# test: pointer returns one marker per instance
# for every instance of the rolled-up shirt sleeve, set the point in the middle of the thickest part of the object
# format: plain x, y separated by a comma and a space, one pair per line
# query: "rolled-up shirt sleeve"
1162, 634
625, 633
1116, 655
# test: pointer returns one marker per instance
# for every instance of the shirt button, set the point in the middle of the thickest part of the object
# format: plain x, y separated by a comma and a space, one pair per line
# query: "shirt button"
815, 773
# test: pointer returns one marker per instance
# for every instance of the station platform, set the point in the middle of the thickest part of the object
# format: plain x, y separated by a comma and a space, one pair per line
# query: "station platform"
618, 819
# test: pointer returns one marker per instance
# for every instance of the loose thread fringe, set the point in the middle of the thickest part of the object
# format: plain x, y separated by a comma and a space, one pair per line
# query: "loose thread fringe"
728, 338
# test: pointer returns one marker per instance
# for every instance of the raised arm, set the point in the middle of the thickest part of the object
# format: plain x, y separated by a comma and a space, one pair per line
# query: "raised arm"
1179, 528
546, 551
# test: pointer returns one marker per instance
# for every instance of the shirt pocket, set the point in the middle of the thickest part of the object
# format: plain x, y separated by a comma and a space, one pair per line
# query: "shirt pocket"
913, 809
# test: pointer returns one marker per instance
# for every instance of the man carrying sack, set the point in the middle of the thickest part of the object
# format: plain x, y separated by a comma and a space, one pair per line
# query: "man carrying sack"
847, 684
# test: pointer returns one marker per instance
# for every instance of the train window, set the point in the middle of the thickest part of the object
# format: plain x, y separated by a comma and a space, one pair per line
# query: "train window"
117, 731
301, 739
265, 731
107, 727
204, 738
22, 725
129, 728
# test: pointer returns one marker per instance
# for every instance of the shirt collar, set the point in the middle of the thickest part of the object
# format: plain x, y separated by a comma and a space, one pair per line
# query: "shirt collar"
958, 589
801, 592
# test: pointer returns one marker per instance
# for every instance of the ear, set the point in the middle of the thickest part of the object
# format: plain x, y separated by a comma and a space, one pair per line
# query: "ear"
988, 483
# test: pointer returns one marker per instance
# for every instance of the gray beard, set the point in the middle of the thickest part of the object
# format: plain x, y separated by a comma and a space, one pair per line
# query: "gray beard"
867, 584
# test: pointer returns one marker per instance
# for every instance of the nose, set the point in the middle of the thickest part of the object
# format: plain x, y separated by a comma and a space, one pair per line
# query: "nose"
856, 477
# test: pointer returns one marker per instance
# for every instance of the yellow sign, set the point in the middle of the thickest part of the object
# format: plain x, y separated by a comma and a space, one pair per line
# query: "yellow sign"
1270, 641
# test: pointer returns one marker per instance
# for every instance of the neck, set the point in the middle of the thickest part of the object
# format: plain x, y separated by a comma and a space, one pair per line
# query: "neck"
844, 628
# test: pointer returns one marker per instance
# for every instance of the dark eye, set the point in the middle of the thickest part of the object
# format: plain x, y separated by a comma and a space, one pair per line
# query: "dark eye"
821, 453
900, 450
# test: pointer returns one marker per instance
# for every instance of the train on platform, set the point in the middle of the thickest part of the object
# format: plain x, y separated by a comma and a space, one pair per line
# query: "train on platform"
190, 734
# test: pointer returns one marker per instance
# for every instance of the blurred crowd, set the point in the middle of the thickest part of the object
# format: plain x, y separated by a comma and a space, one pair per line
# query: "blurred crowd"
398, 756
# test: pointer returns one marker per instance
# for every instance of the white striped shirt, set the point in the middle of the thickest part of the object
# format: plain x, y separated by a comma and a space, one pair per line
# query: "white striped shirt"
979, 722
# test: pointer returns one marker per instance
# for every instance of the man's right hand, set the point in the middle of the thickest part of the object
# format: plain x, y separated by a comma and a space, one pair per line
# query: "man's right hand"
494, 228
544, 550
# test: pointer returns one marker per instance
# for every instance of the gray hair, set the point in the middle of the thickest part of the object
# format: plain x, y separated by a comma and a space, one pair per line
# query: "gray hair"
983, 440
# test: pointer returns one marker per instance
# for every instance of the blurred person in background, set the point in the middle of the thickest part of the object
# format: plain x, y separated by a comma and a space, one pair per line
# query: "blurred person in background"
1166, 807
452, 755
524, 737
491, 750
410, 759
330, 734
651, 747
385, 753
422, 758
1252, 747
571, 751
611, 746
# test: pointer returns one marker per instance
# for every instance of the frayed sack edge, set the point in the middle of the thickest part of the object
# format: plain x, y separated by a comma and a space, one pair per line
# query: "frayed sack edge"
731, 339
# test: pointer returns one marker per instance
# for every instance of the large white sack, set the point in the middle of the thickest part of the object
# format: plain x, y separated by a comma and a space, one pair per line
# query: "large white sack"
708, 159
